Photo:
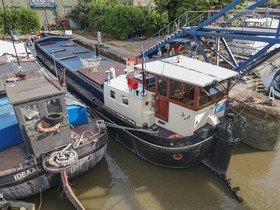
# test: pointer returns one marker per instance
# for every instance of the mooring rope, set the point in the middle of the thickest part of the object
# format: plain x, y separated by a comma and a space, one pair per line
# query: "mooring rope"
129, 128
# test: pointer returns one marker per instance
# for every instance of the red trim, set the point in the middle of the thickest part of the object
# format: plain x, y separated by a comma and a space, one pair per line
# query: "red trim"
175, 135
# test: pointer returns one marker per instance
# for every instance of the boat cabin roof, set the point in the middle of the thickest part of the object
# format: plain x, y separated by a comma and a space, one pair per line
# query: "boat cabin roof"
188, 70
30, 90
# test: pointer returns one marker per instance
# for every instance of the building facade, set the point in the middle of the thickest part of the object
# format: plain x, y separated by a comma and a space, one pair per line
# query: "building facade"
50, 12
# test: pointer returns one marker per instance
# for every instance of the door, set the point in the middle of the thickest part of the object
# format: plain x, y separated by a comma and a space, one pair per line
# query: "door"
162, 101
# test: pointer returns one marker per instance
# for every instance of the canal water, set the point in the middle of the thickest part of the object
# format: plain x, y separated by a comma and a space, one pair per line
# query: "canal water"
123, 181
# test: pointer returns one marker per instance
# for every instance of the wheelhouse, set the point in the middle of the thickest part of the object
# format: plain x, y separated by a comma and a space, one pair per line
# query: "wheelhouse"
175, 93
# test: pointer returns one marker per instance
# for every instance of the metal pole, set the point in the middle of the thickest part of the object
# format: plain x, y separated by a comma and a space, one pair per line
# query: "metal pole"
218, 50
46, 16
10, 32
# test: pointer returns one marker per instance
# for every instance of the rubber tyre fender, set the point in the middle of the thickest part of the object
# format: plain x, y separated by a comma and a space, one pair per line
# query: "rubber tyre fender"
54, 117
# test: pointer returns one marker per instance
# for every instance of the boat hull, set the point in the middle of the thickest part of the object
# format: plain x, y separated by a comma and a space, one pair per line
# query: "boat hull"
33, 179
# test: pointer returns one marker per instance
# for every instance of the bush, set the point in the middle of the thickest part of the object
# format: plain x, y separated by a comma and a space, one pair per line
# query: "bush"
122, 21
24, 20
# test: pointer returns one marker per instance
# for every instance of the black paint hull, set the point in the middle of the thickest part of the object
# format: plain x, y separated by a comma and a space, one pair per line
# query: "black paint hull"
32, 179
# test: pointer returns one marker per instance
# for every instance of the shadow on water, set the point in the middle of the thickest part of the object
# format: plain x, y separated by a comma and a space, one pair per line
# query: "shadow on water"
137, 184
124, 181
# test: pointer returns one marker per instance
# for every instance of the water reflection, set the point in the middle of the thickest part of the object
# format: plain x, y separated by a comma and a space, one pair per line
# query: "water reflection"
124, 181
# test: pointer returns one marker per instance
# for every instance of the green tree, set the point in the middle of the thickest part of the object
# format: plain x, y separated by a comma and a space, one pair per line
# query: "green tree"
123, 21
80, 13
24, 20
175, 8
29, 21
271, 3
1, 21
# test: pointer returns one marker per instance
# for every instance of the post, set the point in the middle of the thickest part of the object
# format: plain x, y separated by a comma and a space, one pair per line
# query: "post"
218, 49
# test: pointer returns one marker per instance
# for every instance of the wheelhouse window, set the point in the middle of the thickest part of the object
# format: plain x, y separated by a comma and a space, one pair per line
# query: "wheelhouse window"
162, 86
54, 105
30, 113
204, 96
219, 90
150, 82
181, 92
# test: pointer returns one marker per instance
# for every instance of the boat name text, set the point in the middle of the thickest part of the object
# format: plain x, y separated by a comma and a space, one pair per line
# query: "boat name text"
26, 173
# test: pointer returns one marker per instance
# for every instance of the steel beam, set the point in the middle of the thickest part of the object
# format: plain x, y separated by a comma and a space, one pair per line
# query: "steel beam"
242, 30
201, 49
219, 54
218, 14
262, 60
229, 52
272, 40
278, 31
257, 55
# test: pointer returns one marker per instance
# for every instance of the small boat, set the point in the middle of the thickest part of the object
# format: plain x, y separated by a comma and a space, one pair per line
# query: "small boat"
16, 205
171, 112
43, 132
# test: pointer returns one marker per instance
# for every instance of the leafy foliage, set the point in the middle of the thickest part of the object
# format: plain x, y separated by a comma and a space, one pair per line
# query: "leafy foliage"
175, 8
24, 20
120, 20
80, 14
271, 3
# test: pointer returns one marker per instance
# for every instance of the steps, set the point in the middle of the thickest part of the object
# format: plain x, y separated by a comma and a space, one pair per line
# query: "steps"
168, 38
260, 88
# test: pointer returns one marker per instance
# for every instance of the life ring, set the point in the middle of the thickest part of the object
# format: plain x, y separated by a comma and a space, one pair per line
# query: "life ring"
177, 156
62, 21
41, 127
175, 136
54, 117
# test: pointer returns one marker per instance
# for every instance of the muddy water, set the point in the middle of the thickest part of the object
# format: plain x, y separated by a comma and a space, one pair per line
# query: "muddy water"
123, 181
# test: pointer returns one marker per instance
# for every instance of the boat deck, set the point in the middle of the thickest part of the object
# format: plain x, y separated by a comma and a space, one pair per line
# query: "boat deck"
12, 157
98, 76
8, 71
16, 155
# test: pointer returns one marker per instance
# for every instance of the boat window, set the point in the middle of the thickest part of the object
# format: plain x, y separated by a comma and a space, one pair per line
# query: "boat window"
112, 93
204, 96
162, 86
30, 112
220, 90
150, 82
125, 100
184, 93
54, 105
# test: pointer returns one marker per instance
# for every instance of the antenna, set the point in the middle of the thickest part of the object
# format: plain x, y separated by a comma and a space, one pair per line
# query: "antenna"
143, 73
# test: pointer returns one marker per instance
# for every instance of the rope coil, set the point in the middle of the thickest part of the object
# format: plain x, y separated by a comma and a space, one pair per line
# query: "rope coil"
61, 160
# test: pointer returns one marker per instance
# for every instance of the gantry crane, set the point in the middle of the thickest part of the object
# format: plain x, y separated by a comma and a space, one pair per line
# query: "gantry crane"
206, 29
